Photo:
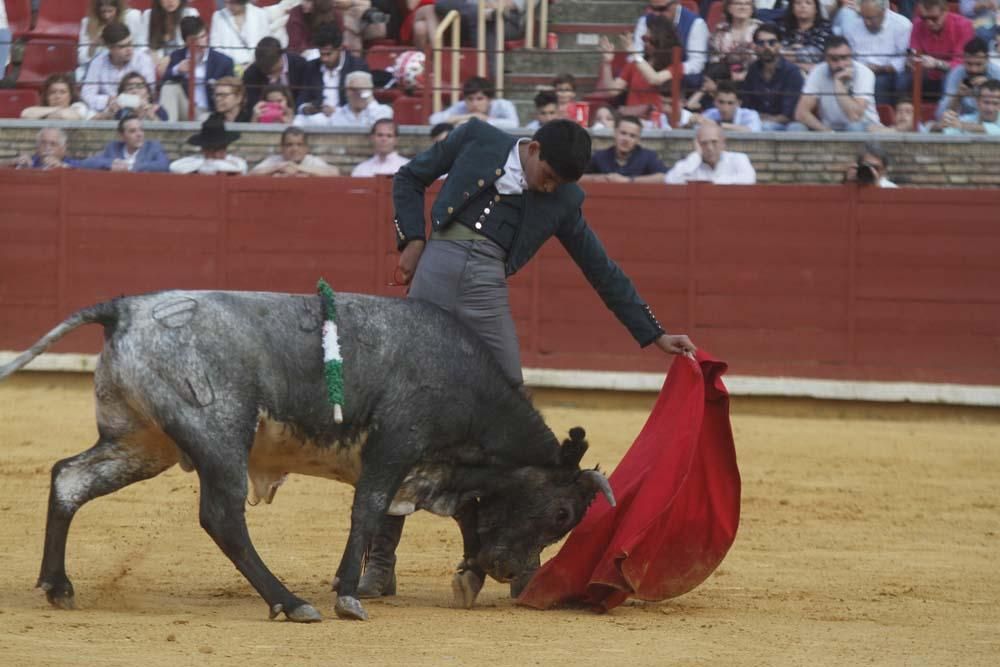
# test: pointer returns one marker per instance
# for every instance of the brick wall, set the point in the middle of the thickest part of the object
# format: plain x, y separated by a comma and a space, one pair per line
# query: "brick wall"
918, 160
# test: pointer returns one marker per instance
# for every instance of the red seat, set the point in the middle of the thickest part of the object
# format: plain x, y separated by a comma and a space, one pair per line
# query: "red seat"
15, 100
205, 10
44, 56
383, 57
410, 111
886, 114
715, 16
60, 19
928, 111
19, 16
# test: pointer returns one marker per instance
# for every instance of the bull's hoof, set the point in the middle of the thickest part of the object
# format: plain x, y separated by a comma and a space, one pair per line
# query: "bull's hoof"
60, 595
350, 608
304, 613
465, 587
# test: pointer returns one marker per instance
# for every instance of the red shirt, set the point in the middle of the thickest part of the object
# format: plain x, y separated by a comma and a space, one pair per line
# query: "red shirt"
945, 45
640, 91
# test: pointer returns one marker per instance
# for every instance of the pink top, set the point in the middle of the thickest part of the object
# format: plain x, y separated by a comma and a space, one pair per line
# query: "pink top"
944, 45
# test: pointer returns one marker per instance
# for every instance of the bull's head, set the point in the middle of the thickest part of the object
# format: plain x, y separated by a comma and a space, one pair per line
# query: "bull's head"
536, 507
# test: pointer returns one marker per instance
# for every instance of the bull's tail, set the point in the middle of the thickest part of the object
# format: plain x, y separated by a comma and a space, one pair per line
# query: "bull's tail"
103, 313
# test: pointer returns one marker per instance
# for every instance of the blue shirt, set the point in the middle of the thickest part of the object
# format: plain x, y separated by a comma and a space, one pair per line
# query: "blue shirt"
746, 117
951, 83
776, 97
641, 161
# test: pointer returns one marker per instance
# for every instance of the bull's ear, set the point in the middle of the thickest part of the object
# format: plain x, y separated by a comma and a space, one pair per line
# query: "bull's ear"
572, 450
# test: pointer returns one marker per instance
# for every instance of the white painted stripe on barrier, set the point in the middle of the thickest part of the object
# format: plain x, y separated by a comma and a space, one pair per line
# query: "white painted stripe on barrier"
738, 385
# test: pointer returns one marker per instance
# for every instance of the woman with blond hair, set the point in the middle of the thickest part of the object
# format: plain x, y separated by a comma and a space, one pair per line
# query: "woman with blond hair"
99, 14
59, 101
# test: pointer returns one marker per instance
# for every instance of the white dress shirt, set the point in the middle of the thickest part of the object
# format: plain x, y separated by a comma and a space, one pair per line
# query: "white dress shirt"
886, 47
502, 113
696, 47
512, 182
199, 164
380, 166
103, 77
731, 169
133, 21
345, 116
239, 44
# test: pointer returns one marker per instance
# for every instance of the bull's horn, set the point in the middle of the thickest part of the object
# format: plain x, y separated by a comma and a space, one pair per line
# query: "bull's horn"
597, 478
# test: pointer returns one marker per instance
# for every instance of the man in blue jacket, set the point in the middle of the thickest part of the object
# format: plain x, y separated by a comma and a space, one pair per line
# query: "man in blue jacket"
211, 67
131, 152
502, 200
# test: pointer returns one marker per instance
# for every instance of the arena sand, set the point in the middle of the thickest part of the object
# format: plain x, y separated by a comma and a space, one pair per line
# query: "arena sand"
869, 536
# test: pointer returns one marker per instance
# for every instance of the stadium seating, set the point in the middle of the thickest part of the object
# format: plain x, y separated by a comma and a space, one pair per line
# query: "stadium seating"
19, 16
45, 56
409, 111
13, 101
60, 19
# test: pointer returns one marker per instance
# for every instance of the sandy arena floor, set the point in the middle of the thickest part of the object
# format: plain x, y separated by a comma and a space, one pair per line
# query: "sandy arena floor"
867, 537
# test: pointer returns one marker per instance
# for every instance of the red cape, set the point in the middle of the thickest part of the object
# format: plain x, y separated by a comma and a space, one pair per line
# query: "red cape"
678, 504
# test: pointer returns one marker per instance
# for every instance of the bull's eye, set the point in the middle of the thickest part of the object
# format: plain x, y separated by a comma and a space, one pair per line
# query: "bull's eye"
562, 516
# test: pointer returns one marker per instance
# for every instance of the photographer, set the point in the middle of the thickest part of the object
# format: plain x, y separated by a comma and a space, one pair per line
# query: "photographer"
870, 168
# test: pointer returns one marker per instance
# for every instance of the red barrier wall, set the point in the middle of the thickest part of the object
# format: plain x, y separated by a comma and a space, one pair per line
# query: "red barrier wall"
828, 282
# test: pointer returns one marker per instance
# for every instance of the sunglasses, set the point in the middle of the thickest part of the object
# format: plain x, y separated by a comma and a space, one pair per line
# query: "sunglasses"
766, 42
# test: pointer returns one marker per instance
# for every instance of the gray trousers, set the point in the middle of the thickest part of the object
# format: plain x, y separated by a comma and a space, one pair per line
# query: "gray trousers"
467, 279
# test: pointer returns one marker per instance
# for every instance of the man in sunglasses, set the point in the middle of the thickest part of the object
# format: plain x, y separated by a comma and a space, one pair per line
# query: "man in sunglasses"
839, 94
691, 29
773, 84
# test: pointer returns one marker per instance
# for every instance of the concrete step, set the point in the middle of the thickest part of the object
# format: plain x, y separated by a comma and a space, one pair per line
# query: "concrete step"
579, 62
596, 11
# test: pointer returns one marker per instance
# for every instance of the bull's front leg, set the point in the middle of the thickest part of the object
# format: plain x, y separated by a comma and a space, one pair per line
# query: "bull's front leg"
468, 581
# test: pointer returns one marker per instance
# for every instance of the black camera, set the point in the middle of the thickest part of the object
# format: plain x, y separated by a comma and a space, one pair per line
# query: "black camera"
867, 174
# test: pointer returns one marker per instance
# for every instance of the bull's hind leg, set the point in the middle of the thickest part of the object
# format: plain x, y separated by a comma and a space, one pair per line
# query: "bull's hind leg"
102, 469
223, 495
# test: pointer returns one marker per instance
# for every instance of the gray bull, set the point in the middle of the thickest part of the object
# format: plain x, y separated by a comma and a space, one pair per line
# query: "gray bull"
231, 384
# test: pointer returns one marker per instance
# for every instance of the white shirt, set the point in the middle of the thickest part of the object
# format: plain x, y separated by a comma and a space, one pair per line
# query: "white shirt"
502, 113
378, 166
696, 47
331, 83
238, 44
886, 47
103, 77
309, 160
130, 157
886, 183
731, 169
512, 182
199, 164
820, 83
746, 117
345, 116
133, 21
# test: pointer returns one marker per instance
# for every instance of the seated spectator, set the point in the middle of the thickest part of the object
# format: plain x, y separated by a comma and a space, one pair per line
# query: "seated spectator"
984, 120
440, 132
546, 108
903, 113
937, 39
306, 20
386, 161
732, 41
626, 161
211, 67
419, 24
237, 29
711, 162
603, 118
838, 95
879, 38
871, 168
101, 13
479, 101
691, 33
963, 82
326, 76
294, 159
50, 152
773, 84
215, 158
59, 101
107, 69
276, 106
160, 30
650, 68
229, 100
273, 66
564, 86
361, 110
703, 98
728, 113
804, 34
134, 98
664, 120
131, 152
983, 15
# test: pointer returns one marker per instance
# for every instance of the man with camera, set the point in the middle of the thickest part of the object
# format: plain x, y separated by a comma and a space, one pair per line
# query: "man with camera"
961, 87
870, 168
838, 95
984, 121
